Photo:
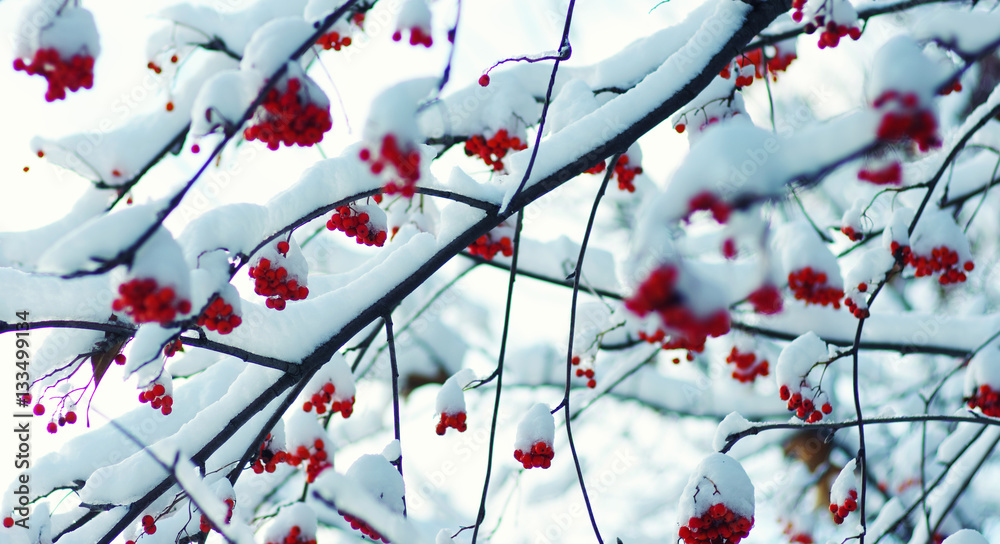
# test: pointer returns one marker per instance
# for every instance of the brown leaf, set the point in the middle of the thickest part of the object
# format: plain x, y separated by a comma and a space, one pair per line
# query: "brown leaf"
101, 360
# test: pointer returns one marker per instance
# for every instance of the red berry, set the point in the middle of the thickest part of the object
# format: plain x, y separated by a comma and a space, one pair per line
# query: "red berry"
39, 409
484, 80
8, 522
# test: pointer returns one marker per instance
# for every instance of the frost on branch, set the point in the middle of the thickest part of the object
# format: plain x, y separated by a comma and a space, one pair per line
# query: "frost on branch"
982, 381
535, 436
58, 42
844, 493
717, 504
796, 362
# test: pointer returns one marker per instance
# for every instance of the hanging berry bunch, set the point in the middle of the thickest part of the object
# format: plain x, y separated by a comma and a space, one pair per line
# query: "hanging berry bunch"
331, 390
813, 271
405, 162
314, 455
222, 314
451, 403
748, 366
145, 301
811, 286
415, 18
69, 417
338, 37
795, 363
982, 381
766, 299
367, 223
294, 112
495, 241
905, 104
834, 18
844, 493
294, 524
851, 220
870, 269
205, 526
280, 274
173, 347
158, 397
888, 174
585, 371
269, 455
661, 293
61, 47
752, 65
377, 478
937, 248
717, 505
535, 435
492, 150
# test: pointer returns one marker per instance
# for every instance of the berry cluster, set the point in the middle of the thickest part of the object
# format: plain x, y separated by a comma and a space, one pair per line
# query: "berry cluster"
622, 171
810, 286
797, 536
987, 399
157, 398
748, 367
322, 401
658, 294
286, 120
267, 459
779, 63
805, 409
766, 300
660, 337
942, 261
859, 310
295, 536
841, 511
144, 301
359, 524
61, 74
487, 246
587, 373
333, 40
718, 525
540, 455
357, 224
955, 87
316, 459
219, 317
418, 36
70, 418
708, 201
148, 524
206, 526
908, 121
455, 421
173, 347
832, 32
888, 175
275, 284
406, 163
852, 234
493, 150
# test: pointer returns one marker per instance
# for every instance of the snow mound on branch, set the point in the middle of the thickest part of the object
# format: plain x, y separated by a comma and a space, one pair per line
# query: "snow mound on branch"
937, 228
896, 68
223, 99
99, 239
733, 423
736, 162
299, 515
46, 24
414, 13
846, 482
235, 28
537, 425
274, 43
375, 475
798, 246
574, 101
798, 358
969, 31
984, 369
336, 372
718, 479
395, 110
450, 398
965, 536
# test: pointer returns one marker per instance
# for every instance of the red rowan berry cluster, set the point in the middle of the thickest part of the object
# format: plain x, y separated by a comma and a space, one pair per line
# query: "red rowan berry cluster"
286, 120
333, 40
887, 175
406, 162
295, 536
157, 398
852, 234
418, 36
831, 31
766, 300
219, 317
755, 59
316, 459
587, 373
987, 399
73, 74
856, 308
267, 459
145, 302
69, 417
708, 201
622, 171
275, 284
323, 402
841, 511
658, 294
206, 526
173, 347
719, 525
797, 536
493, 150
942, 261
804, 408
908, 121
488, 245
360, 525
148, 524
358, 225
955, 87
810, 285
660, 337
748, 367
540, 455
455, 421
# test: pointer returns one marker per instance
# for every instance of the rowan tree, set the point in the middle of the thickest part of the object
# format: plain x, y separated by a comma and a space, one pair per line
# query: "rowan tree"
324, 250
